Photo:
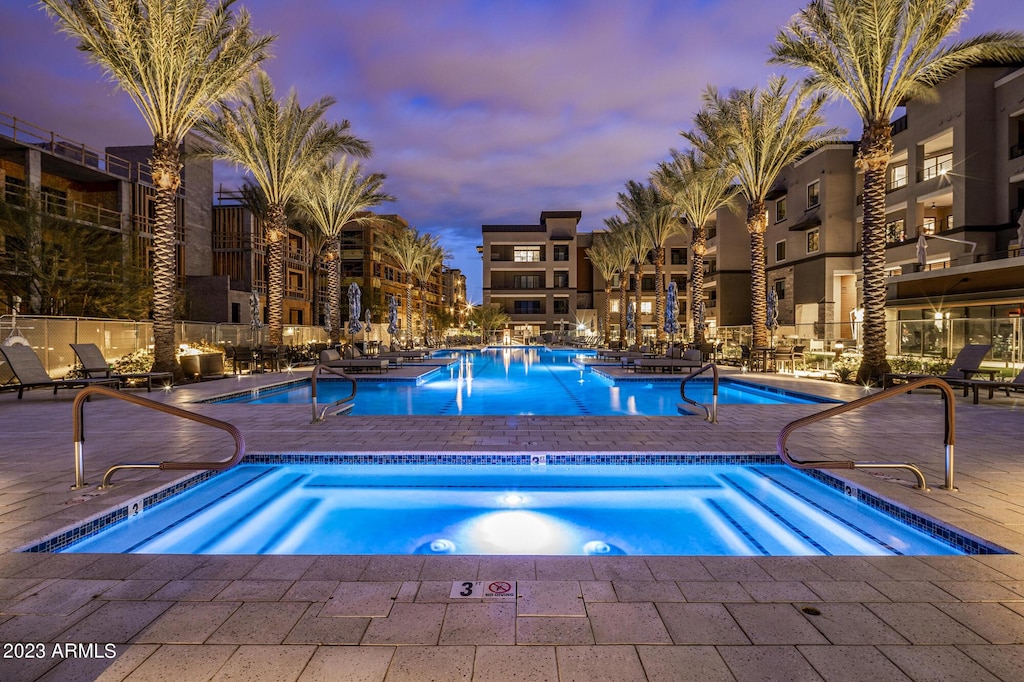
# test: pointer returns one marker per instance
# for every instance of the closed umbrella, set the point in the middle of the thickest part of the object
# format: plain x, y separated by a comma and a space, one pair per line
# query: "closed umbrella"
392, 316
353, 309
255, 317
671, 303
922, 249
1020, 231
369, 326
771, 318
701, 318
630, 318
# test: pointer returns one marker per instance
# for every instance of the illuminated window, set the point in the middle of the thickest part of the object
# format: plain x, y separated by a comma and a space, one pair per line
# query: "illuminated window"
895, 231
897, 177
813, 237
937, 165
526, 254
645, 307
929, 226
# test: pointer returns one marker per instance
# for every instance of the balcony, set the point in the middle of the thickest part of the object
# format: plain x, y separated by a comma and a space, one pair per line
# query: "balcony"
1016, 150
60, 207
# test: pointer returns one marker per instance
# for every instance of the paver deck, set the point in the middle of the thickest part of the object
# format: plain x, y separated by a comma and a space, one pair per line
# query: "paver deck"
143, 617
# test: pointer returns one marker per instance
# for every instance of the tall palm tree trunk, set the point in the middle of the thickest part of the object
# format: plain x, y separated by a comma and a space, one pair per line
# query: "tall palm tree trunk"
166, 179
756, 225
334, 289
607, 331
638, 278
408, 312
276, 237
623, 284
659, 293
697, 251
876, 149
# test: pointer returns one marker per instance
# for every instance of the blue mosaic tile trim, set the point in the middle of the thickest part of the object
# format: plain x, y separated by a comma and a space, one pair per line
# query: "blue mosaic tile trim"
254, 392
509, 458
95, 525
956, 538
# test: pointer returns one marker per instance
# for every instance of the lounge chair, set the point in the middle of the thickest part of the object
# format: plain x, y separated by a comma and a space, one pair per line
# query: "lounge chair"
96, 366
332, 358
1016, 385
689, 360
965, 365
414, 354
789, 356
29, 371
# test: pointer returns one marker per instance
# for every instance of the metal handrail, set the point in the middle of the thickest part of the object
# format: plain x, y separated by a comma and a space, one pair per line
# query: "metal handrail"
711, 414
949, 437
79, 435
319, 417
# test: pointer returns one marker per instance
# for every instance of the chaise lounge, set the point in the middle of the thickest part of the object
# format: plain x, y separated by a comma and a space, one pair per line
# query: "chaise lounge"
689, 360
95, 365
965, 365
1016, 385
332, 358
29, 371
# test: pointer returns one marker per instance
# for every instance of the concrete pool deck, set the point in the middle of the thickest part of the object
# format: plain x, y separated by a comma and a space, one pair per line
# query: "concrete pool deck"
575, 618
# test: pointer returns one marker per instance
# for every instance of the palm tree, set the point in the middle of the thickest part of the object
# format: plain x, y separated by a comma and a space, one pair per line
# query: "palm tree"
637, 239
623, 257
698, 189
602, 254
755, 134
176, 59
405, 245
281, 144
878, 54
636, 245
432, 257
337, 194
646, 207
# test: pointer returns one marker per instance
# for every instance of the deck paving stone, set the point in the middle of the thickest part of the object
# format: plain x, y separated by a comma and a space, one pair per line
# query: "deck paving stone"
233, 567
851, 663
393, 568
43, 628
506, 568
906, 568
182, 662
407, 624
133, 590
598, 591
439, 592
938, 664
994, 622
550, 598
973, 590
129, 657
168, 567
59, 597
775, 624
683, 664
449, 568
734, 568
312, 629
706, 591
775, 591
429, 664
515, 664
633, 623
479, 623
348, 664
598, 664
1005, 662
621, 568
554, 630
768, 664
852, 624
187, 623
564, 568
701, 624
191, 590
362, 600
254, 590
789, 568
911, 591
646, 590
336, 568
115, 621
924, 624
845, 591
677, 568
259, 623
269, 663
280, 568
310, 590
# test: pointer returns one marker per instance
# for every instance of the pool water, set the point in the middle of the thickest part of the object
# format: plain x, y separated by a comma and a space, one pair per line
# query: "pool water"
525, 381
731, 510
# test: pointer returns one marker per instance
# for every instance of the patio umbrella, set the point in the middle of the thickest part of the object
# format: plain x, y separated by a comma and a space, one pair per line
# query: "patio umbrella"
701, 312
630, 318
771, 317
671, 303
1020, 230
922, 249
369, 316
353, 309
392, 315
255, 317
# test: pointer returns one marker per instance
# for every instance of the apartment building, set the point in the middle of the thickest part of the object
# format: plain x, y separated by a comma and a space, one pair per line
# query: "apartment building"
542, 278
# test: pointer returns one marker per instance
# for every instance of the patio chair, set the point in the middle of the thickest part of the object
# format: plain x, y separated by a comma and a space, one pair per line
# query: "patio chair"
95, 366
29, 371
1016, 385
960, 373
243, 358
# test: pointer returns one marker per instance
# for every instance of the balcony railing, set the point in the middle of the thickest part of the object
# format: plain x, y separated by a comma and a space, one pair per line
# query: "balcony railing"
63, 208
28, 134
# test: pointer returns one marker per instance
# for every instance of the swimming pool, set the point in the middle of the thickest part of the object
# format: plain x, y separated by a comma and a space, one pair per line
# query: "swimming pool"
522, 381
759, 510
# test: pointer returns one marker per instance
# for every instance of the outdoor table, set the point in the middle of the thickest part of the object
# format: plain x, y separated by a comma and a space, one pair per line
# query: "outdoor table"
763, 358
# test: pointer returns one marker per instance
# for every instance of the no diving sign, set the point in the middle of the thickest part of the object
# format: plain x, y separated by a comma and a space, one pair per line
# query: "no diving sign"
483, 589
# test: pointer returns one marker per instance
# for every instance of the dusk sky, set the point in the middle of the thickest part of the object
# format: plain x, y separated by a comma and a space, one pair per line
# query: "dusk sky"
479, 111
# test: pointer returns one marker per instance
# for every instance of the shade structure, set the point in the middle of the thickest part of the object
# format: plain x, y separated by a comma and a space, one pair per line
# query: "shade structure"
354, 308
671, 306
922, 249
392, 315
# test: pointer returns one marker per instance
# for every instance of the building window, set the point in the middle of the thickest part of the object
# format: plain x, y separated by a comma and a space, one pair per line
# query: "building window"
780, 289
526, 307
895, 231
949, 222
647, 283
615, 306
561, 252
780, 251
236, 313
561, 306
526, 254
897, 177
645, 307
937, 165
677, 256
526, 281
929, 226
780, 210
813, 194
813, 243
561, 280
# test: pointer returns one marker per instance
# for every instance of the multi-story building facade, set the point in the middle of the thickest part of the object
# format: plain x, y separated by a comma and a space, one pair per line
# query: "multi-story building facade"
542, 278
